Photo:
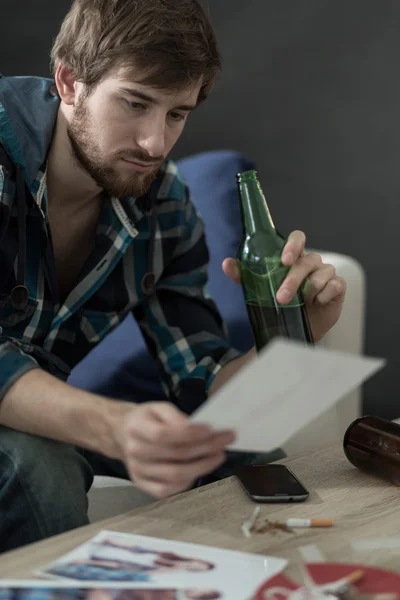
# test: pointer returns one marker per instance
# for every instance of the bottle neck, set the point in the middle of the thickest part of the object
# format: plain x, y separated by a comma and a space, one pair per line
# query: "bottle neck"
254, 208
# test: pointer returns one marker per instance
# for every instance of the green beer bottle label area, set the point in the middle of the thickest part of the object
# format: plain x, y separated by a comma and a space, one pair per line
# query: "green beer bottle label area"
261, 286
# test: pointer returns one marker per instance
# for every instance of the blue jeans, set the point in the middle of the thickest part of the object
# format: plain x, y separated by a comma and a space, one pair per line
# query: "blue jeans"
43, 487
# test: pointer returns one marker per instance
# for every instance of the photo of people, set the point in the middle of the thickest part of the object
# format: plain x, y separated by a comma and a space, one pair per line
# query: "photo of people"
167, 569
70, 593
155, 594
115, 559
143, 566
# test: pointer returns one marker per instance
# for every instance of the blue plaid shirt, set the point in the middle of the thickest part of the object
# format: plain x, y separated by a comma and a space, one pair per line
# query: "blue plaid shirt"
180, 323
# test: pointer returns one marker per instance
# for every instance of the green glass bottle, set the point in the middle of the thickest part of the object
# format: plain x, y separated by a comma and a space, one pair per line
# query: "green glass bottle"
262, 271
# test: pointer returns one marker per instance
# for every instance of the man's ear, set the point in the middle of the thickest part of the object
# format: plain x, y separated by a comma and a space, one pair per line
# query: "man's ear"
66, 84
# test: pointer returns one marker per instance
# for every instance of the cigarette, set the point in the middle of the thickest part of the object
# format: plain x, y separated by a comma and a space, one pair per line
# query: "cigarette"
248, 525
354, 577
309, 523
344, 585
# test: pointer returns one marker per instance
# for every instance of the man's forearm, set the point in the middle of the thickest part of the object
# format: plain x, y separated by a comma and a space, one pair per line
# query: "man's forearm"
230, 369
40, 404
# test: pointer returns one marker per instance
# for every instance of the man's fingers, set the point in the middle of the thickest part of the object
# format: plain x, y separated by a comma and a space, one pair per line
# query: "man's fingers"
145, 451
169, 436
302, 269
165, 412
162, 489
162, 424
231, 269
317, 281
160, 478
335, 290
294, 248
164, 458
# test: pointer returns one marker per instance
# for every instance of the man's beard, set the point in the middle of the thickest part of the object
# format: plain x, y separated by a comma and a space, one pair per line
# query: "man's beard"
100, 168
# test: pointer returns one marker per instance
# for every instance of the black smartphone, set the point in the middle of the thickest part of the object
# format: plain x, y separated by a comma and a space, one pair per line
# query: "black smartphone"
271, 483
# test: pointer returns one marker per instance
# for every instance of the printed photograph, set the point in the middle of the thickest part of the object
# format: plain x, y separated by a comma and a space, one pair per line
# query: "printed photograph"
70, 593
184, 569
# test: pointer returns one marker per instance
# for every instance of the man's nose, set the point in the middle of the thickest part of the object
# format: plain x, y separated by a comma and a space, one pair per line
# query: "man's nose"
152, 138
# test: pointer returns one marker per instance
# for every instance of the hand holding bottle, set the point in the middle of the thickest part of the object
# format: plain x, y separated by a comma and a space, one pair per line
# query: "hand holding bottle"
324, 291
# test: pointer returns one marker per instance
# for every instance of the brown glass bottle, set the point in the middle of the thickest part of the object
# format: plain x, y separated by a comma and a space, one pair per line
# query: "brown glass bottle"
373, 445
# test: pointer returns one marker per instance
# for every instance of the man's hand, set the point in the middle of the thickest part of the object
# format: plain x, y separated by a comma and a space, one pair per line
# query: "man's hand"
324, 291
163, 452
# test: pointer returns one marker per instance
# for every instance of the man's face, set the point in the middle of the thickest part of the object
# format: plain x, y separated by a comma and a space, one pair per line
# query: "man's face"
122, 133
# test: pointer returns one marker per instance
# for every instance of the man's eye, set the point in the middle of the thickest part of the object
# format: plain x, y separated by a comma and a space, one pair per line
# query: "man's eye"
177, 116
136, 105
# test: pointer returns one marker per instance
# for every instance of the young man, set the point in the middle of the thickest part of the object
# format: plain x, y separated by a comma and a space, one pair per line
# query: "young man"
110, 228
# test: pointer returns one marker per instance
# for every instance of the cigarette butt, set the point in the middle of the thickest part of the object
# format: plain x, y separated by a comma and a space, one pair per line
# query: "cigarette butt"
248, 525
246, 530
354, 577
309, 523
344, 585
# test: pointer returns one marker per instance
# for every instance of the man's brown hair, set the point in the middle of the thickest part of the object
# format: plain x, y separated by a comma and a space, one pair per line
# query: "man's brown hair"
169, 43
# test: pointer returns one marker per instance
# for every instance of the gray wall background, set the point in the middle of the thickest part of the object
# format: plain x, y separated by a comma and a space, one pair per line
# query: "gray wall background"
311, 91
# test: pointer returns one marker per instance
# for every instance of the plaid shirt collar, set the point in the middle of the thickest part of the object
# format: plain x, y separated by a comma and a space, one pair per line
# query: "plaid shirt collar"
128, 210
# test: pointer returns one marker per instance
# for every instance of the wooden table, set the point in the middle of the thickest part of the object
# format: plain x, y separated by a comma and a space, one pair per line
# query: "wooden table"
362, 506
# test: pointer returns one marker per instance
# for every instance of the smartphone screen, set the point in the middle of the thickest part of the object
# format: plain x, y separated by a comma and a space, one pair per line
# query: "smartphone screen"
271, 483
